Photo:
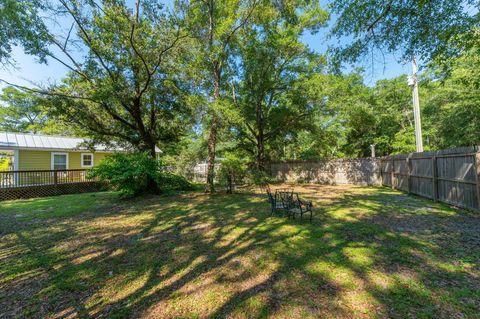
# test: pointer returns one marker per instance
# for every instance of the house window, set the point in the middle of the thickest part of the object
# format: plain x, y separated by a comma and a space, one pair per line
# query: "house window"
59, 161
87, 159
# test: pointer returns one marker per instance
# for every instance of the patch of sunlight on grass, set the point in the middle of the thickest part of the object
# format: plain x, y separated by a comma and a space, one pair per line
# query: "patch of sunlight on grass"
225, 238
119, 221
117, 288
25, 269
409, 284
88, 256
380, 280
359, 256
170, 270
285, 230
459, 266
339, 275
253, 306
117, 252
232, 206
359, 302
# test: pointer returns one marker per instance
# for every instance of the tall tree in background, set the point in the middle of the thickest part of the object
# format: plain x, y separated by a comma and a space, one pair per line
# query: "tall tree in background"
274, 64
452, 104
22, 111
392, 106
215, 25
28, 112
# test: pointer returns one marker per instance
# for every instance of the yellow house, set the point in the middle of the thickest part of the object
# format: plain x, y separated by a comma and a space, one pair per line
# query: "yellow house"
30, 152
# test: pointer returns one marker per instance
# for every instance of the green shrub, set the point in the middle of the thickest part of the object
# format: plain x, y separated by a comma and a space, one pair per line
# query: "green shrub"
170, 181
131, 174
259, 177
135, 174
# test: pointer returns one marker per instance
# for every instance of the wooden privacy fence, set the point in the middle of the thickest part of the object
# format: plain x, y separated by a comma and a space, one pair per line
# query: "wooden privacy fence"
450, 176
28, 184
358, 171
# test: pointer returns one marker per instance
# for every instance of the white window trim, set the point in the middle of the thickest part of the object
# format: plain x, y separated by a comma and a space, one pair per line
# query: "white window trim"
81, 159
57, 153
16, 160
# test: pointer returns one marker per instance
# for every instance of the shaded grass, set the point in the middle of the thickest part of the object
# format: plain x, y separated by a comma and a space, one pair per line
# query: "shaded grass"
369, 253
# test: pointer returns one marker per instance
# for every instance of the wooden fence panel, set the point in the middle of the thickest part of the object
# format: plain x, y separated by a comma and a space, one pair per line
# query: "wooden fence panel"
362, 171
387, 169
401, 180
421, 177
457, 180
422, 186
450, 176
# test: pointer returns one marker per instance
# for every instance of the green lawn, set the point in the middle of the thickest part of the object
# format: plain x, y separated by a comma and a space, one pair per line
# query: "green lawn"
369, 253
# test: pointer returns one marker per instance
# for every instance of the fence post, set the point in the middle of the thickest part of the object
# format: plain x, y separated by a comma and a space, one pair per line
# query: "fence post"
381, 171
477, 176
434, 178
55, 181
392, 174
409, 172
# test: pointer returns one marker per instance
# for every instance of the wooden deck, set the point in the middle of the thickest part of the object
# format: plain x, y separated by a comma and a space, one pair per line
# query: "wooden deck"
40, 183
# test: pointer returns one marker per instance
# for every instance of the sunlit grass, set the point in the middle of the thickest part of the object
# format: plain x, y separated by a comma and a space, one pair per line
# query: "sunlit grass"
369, 253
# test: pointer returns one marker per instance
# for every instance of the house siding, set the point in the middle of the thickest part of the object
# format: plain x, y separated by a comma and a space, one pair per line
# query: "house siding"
33, 160
41, 160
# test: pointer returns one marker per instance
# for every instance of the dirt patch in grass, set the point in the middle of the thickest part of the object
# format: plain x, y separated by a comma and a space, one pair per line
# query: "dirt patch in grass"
369, 253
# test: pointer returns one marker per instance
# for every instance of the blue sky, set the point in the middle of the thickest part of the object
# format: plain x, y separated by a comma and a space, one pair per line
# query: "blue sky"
28, 71
375, 67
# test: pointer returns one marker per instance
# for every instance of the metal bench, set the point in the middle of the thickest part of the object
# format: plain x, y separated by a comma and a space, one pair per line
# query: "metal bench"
276, 204
288, 202
297, 206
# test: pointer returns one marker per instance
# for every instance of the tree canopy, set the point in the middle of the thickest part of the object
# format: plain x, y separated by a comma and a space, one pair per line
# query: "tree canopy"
429, 29
21, 24
127, 87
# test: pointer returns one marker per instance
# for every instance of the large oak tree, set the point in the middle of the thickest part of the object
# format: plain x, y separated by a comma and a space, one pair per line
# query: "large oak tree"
125, 80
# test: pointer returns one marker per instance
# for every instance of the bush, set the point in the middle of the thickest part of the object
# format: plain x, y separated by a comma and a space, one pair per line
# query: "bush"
136, 174
170, 181
131, 174
259, 177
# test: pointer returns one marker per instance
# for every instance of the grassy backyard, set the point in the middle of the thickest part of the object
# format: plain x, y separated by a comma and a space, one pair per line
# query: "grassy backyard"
370, 252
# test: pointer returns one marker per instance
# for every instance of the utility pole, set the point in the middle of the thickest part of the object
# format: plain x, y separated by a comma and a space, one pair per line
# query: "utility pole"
413, 83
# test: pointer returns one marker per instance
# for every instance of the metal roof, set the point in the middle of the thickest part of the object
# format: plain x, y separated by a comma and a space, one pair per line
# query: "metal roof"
36, 141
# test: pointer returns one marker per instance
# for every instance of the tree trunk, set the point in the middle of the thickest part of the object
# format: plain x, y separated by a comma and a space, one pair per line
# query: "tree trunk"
147, 145
230, 182
212, 143
260, 153
149, 148
212, 137
152, 151
260, 138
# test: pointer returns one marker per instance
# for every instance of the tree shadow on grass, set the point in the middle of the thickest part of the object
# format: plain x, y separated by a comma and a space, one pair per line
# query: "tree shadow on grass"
223, 256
